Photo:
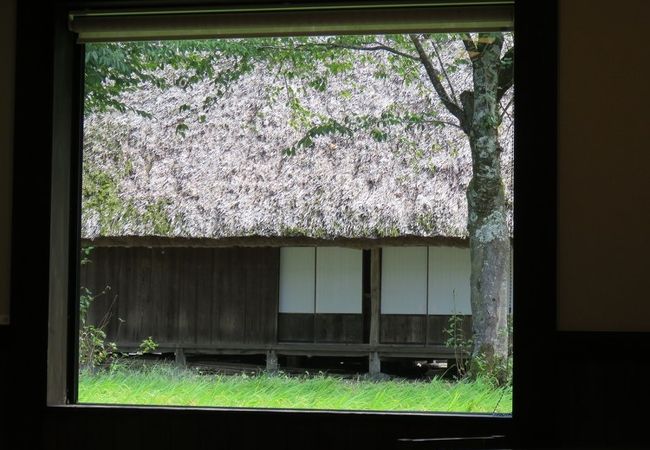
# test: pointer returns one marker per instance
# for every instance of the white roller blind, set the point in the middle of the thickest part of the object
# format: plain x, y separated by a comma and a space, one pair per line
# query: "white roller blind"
361, 18
297, 279
404, 280
339, 280
449, 286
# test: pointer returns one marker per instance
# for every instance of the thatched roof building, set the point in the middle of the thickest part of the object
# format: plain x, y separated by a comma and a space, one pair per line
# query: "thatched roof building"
214, 239
226, 175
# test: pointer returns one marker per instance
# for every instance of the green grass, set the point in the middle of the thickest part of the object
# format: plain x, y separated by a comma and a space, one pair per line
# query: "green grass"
165, 385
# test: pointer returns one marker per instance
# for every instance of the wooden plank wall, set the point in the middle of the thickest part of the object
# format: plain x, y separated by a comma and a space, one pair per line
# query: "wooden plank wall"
320, 328
338, 328
185, 296
413, 328
403, 328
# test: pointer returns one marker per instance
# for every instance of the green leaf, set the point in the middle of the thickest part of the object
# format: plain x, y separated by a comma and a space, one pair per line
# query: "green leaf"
181, 128
378, 135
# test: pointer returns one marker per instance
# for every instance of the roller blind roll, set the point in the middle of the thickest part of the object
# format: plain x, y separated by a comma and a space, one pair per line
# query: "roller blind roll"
129, 25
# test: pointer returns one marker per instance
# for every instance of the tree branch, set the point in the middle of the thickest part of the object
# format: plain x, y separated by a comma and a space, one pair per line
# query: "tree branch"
486, 39
376, 47
505, 108
444, 71
467, 100
470, 46
434, 77
506, 72
443, 122
371, 49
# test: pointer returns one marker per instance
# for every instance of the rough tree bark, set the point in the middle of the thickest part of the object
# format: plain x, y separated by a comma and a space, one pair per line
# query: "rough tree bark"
478, 116
486, 221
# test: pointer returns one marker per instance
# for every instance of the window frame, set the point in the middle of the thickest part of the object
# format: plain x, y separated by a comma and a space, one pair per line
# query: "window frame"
535, 196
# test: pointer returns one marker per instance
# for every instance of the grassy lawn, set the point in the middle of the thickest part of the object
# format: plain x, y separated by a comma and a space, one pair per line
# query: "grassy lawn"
164, 385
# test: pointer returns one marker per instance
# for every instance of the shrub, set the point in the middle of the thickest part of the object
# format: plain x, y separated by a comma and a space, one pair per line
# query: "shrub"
94, 350
471, 365
461, 344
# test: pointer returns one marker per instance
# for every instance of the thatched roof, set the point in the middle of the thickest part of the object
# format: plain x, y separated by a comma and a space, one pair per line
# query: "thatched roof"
227, 176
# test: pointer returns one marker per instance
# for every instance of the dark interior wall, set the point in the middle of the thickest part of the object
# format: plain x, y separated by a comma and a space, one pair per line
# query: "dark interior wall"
603, 160
595, 366
7, 55
597, 381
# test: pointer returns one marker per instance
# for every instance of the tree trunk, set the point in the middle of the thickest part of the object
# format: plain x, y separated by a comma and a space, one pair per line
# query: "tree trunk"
487, 225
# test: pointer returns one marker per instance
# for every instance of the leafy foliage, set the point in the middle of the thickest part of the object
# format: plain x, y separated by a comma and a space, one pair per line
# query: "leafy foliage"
331, 126
93, 348
113, 68
459, 342
477, 366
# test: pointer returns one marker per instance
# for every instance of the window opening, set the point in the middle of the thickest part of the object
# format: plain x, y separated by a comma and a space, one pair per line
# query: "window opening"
237, 194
